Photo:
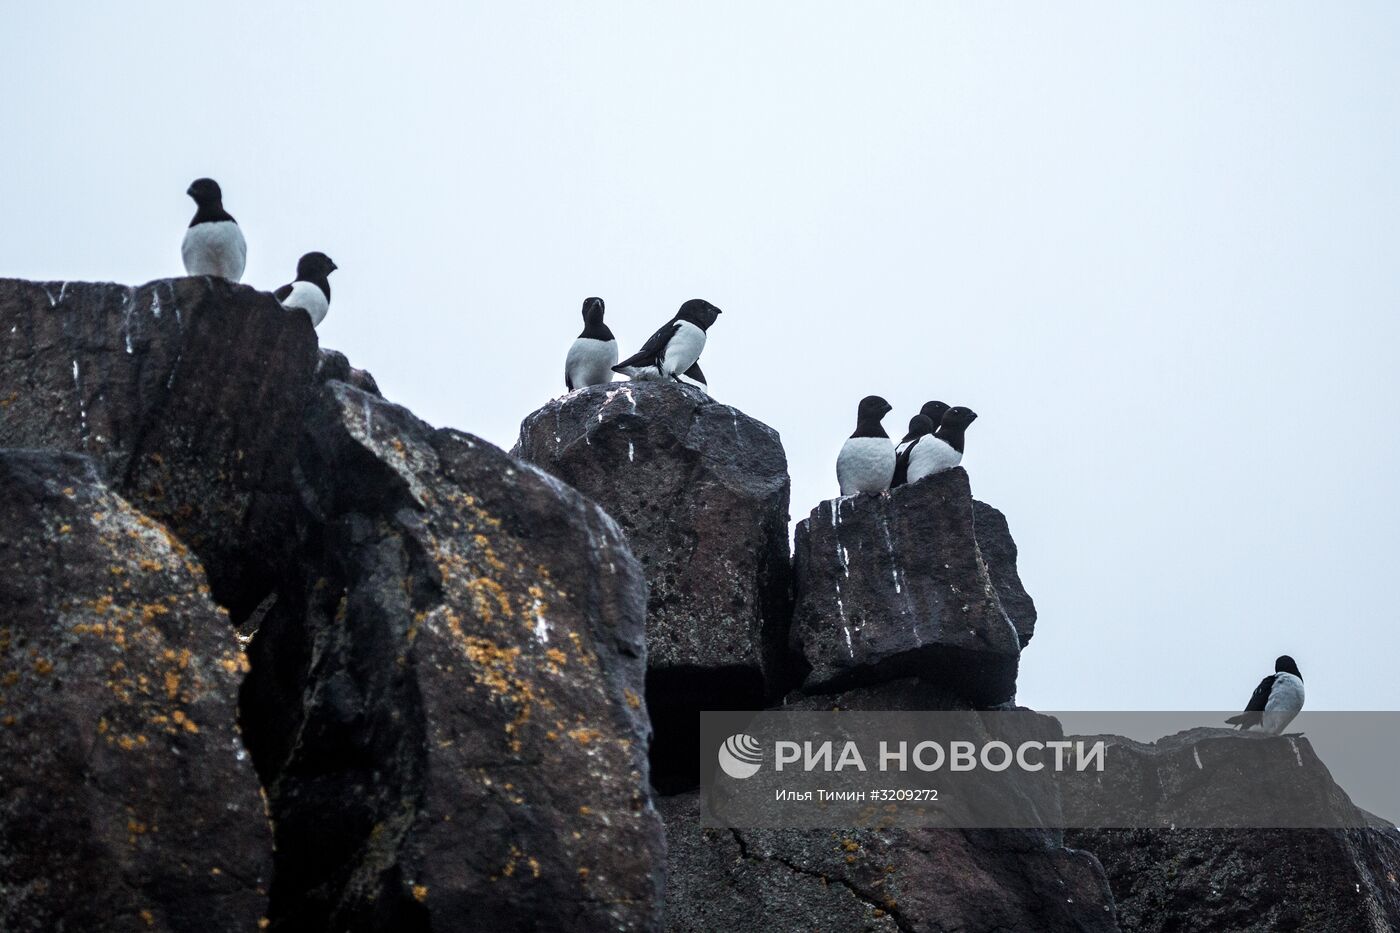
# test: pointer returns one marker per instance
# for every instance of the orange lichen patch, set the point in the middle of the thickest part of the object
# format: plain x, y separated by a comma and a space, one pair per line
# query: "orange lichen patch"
534, 866
172, 685
264, 923
151, 610
10, 679
585, 736
634, 701
99, 516
488, 596
43, 667
420, 892
583, 874
65, 529
68, 491
850, 845
8, 720
149, 917
150, 566
585, 810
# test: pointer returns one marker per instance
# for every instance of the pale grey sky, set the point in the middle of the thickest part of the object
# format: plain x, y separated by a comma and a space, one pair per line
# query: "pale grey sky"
1154, 247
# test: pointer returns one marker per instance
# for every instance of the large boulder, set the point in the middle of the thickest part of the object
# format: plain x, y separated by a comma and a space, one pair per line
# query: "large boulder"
128, 802
185, 393
449, 692
1195, 880
894, 585
701, 491
998, 550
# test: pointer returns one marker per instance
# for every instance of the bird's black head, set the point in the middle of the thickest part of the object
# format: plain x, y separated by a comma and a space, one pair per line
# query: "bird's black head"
934, 411
958, 417
593, 310
699, 312
205, 192
1286, 665
314, 266
919, 425
873, 406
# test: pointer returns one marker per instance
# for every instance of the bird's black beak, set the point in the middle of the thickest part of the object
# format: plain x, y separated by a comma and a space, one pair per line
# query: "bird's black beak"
190, 191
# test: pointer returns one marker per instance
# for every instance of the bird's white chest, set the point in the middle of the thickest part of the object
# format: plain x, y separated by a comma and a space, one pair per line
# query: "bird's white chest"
590, 362
683, 349
931, 455
309, 298
1285, 701
865, 464
216, 249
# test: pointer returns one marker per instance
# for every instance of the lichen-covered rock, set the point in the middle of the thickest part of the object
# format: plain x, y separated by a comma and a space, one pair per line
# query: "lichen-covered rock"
450, 700
1337, 880
128, 802
894, 585
185, 392
701, 490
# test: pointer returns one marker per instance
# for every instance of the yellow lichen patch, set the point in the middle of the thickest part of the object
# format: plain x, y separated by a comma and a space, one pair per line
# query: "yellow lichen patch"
420, 892
850, 845
583, 874
634, 701
65, 529
534, 866
149, 917
43, 667
150, 566
172, 685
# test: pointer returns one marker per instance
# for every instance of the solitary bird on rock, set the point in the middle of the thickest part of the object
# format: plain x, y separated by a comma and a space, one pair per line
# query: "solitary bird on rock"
866, 461
213, 243
593, 353
1276, 700
675, 347
311, 289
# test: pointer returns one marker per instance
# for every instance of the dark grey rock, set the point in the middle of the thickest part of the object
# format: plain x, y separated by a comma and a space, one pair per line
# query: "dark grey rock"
894, 585
998, 551
128, 801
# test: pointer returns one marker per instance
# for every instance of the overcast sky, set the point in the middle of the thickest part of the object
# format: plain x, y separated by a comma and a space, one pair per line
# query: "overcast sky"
1155, 248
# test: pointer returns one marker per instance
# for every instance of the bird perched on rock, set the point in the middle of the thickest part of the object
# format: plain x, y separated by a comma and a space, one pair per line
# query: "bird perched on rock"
944, 450
675, 347
593, 353
866, 461
695, 377
1276, 700
311, 289
213, 243
920, 426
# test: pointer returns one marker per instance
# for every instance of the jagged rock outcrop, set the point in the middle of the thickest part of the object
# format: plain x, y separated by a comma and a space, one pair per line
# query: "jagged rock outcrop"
1206, 880
701, 490
998, 550
184, 391
455, 692
128, 801
895, 585
445, 696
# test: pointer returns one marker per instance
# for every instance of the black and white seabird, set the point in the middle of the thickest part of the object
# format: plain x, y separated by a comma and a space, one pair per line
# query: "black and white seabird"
694, 376
866, 461
944, 450
311, 290
1276, 700
675, 347
920, 426
934, 411
213, 243
594, 353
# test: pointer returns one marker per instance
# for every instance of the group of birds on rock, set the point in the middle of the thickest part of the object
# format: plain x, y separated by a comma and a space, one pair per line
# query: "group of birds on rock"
670, 354
870, 462
214, 245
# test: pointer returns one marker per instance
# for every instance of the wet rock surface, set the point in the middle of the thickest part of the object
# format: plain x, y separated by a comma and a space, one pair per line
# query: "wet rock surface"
895, 585
129, 802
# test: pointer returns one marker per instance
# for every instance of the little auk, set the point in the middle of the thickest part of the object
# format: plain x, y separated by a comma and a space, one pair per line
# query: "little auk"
866, 461
311, 289
675, 347
920, 426
594, 352
1276, 700
213, 243
944, 450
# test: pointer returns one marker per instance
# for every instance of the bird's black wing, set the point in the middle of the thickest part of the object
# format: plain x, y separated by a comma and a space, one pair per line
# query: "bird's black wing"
901, 464
651, 351
282, 293
1253, 713
568, 383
